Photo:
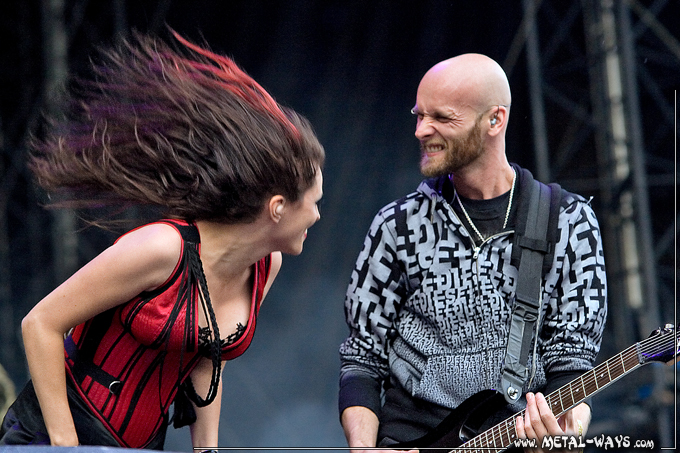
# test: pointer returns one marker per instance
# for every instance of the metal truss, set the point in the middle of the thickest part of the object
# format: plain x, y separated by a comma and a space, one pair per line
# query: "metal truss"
600, 78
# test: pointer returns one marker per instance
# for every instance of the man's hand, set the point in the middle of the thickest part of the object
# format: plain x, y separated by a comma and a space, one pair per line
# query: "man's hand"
539, 421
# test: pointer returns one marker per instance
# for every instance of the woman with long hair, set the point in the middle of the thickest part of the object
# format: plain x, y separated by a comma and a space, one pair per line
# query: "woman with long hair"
151, 320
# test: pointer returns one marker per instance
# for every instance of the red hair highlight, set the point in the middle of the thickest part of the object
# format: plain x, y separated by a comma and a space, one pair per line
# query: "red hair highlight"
238, 82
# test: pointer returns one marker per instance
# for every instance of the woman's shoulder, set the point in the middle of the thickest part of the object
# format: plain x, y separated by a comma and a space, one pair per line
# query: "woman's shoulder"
157, 246
156, 235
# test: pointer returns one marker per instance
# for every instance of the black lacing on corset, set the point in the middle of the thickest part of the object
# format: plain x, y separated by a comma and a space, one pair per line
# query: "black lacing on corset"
204, 337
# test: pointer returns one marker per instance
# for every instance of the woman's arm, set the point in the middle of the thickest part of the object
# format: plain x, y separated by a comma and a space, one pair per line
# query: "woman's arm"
141, 260
205, 430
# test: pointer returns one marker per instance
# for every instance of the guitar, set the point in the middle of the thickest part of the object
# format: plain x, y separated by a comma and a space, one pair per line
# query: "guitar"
458, 431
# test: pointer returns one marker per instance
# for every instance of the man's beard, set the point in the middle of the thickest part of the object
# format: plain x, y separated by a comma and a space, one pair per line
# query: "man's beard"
461, 152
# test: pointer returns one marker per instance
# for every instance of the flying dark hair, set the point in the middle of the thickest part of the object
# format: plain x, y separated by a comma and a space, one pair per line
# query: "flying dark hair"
186, 130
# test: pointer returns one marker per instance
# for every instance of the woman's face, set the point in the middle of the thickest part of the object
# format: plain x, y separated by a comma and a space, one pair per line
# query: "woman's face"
299, 216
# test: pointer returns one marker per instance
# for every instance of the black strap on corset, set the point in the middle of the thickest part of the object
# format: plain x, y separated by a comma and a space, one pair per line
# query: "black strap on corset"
83, 367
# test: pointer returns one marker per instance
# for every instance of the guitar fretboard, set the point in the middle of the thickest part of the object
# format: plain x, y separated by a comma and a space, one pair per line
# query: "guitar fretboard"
502, 435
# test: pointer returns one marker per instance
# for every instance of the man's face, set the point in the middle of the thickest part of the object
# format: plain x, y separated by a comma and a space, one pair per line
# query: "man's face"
449, 141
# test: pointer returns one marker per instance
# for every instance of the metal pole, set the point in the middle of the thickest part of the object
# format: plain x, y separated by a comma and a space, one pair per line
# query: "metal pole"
640, 193
64, 239
7, 327
536, 93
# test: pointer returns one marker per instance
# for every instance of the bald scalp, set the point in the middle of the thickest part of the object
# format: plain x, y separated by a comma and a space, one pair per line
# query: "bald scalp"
472, 79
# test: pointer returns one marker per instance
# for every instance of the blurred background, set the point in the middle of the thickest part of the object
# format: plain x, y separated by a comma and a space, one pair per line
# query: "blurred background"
594, 108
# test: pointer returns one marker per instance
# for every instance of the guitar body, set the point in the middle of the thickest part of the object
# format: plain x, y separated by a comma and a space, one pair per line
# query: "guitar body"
462, 424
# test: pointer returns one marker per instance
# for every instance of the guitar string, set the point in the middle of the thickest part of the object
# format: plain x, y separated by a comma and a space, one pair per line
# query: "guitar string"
647, 346
659, 340
588, 381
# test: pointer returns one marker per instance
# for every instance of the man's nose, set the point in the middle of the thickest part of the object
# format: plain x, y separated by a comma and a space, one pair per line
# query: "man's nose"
424, 128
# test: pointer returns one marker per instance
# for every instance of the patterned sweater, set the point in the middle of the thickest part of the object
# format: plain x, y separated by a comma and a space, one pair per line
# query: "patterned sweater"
425, 309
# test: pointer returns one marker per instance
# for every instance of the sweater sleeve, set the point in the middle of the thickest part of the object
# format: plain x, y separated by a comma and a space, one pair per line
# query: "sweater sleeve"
374, 296
576, 314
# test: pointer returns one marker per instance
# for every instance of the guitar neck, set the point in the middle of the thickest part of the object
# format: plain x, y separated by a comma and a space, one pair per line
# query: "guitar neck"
591, 382
560, 401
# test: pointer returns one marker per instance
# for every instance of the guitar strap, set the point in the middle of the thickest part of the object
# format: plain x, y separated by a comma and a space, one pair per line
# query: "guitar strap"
533, 244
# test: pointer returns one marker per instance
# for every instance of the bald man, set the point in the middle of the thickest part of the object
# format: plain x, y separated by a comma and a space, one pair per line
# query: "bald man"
430, 299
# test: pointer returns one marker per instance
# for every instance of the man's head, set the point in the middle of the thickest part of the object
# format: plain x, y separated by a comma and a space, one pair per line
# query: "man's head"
462, 107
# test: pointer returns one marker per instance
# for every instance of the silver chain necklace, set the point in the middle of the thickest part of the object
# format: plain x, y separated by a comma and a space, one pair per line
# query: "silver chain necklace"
507, 212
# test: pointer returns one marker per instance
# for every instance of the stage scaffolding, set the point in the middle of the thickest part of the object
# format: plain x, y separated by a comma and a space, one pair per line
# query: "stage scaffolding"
590, 67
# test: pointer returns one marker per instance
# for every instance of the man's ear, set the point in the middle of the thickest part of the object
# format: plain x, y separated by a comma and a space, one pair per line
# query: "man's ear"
277, 205
498, 120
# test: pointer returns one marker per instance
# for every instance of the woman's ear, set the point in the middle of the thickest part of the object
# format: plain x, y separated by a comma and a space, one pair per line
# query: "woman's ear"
277, 205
